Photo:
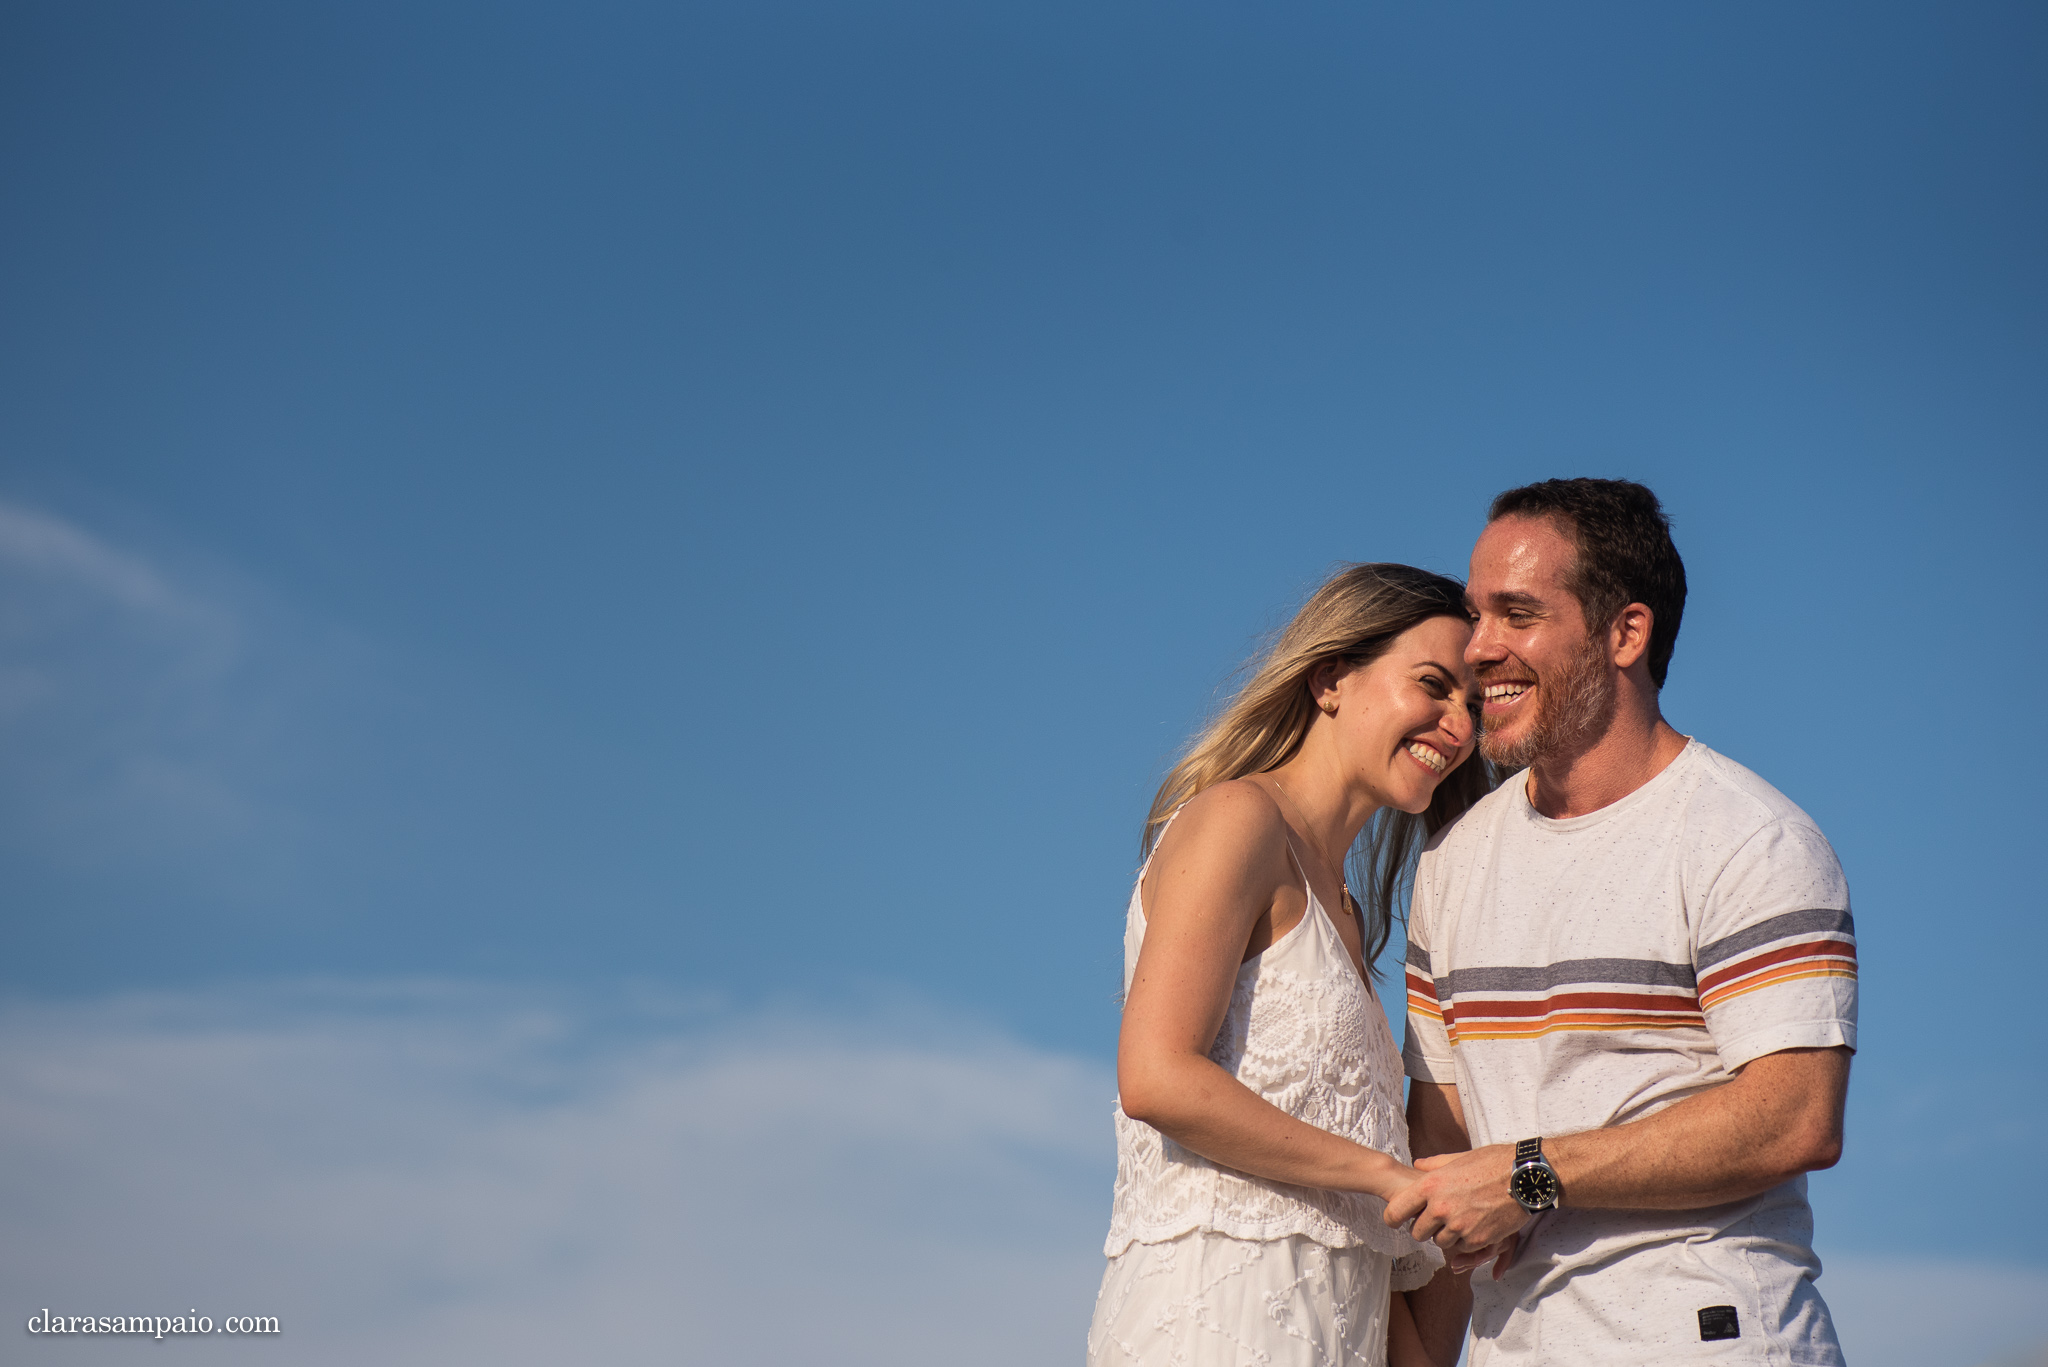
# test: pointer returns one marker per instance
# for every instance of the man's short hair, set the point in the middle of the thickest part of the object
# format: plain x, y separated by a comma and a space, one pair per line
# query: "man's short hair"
1625, 553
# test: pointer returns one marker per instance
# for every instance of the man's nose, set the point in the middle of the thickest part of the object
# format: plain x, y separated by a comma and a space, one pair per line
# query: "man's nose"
1482, 645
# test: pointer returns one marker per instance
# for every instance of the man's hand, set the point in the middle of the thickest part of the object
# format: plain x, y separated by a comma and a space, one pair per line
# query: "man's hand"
1461, 1203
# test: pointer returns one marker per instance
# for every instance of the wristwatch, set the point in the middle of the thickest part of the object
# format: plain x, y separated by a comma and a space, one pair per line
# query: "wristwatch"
1533, 1182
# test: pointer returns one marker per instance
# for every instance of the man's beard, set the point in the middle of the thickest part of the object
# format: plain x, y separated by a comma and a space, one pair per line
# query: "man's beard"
1577, 704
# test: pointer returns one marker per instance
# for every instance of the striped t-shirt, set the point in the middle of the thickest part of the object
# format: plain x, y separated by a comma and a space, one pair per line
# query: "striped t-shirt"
1569, 975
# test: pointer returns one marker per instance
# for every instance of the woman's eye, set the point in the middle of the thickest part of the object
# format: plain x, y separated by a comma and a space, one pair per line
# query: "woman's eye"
1436, 686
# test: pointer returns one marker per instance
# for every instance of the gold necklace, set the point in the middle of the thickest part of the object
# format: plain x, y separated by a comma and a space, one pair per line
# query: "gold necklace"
1350, 903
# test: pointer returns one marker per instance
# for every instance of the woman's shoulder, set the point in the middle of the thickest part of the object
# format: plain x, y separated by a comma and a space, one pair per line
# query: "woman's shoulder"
1229, 845
1236, 799
1237, 816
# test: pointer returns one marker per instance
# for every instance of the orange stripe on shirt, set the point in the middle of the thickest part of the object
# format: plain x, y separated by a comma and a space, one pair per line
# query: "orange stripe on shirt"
1811, 968
1465, 1034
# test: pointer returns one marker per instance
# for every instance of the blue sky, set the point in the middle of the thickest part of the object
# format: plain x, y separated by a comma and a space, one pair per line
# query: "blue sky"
737, 505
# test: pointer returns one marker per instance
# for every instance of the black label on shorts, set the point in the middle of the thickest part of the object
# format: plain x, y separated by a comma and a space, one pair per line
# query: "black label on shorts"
1719, 1322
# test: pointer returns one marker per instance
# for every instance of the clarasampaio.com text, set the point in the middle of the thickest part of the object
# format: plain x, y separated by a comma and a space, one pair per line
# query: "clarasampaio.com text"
43, 1322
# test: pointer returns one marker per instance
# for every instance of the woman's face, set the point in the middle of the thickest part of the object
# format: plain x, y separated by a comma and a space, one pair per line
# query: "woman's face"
1409, 717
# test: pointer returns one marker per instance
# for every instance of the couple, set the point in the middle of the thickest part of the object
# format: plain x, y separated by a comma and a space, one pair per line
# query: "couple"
1631, 991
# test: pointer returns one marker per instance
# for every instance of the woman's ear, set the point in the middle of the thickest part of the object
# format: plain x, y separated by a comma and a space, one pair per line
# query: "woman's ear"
1322, 685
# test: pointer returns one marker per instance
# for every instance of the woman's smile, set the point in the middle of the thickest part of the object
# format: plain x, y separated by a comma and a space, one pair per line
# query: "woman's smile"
1428, 756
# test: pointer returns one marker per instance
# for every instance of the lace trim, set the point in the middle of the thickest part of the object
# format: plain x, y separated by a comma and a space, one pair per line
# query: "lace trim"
1224, 1201
1413, 1271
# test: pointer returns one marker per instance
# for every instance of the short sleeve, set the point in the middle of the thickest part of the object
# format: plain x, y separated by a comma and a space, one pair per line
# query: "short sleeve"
1775, 948
1427, 1054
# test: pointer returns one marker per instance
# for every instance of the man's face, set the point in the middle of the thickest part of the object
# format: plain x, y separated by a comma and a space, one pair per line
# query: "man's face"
1548, 685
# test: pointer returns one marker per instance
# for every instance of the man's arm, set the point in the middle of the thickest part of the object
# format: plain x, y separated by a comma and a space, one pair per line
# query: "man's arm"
1442, 1308
1780, 1116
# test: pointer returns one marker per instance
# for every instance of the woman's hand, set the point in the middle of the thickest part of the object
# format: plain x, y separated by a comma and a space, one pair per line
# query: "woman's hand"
1398, 1178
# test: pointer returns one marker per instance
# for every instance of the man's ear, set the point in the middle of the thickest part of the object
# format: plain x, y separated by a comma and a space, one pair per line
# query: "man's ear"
1629, 637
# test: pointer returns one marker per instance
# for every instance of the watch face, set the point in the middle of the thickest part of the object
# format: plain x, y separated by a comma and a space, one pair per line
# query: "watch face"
1534, 1186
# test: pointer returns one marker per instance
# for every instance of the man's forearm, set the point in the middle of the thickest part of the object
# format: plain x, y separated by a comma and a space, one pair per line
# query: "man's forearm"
1783, 1117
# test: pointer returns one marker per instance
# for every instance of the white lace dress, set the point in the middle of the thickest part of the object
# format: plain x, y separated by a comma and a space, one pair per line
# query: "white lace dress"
1209, 1267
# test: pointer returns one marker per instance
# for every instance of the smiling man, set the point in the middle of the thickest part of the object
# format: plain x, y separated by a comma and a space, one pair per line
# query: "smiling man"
1632, 986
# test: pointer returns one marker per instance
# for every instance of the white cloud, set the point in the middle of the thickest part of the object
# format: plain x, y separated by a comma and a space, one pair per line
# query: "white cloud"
437, 1177
146, 722
51, 549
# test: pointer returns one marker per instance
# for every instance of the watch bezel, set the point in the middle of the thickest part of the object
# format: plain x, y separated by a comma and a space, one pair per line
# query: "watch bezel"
1534, 1185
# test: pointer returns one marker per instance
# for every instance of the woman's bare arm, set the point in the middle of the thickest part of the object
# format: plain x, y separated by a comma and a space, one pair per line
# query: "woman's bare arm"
1218, 870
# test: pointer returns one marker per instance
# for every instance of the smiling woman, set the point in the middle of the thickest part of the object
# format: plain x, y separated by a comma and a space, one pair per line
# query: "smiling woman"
1347, 623
1259, 1125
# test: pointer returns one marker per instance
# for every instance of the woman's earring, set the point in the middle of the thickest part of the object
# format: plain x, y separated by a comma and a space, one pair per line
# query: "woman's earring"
1329, 708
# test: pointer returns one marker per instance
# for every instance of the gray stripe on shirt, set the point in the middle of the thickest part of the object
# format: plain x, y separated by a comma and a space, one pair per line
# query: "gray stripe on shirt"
1587, 972
1776, 928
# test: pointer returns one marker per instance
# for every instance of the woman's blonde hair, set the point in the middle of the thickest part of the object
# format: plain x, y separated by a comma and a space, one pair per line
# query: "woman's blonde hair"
1351, 619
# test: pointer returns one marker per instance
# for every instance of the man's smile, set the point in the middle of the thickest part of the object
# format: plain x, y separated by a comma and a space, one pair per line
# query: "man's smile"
1499, 697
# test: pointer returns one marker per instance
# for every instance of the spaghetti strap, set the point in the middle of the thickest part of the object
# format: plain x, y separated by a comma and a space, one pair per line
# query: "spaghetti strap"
1163, 826
1308, 889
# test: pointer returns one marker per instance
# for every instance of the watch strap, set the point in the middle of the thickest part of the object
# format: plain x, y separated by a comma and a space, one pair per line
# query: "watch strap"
1529, 1151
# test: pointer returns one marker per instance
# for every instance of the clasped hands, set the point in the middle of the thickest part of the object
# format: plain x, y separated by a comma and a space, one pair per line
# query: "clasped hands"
1460, 1203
